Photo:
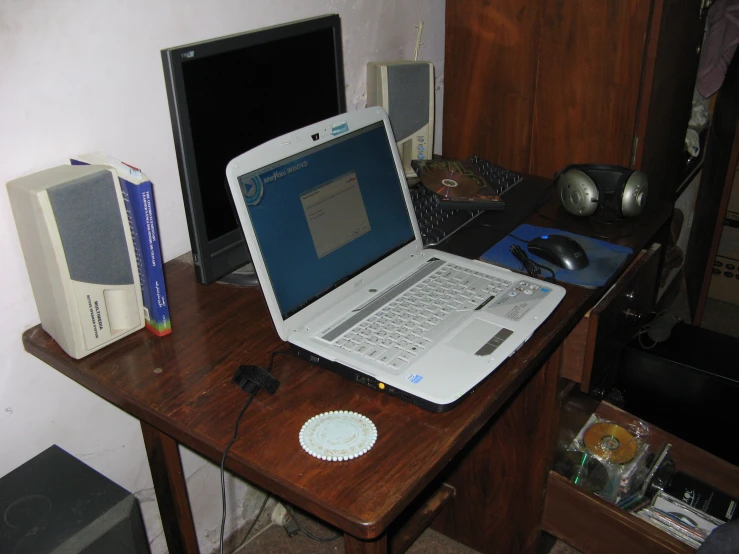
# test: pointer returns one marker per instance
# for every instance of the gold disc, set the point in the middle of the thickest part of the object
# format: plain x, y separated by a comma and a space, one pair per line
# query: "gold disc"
449, 183
610, 442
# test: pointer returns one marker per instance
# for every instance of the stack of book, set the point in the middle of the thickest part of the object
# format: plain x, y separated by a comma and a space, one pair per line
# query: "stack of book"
139, 200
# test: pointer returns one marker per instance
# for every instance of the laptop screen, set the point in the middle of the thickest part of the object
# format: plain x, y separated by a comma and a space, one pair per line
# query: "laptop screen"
326, 214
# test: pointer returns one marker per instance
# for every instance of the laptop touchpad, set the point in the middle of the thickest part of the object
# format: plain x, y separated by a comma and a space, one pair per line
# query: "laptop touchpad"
480, 337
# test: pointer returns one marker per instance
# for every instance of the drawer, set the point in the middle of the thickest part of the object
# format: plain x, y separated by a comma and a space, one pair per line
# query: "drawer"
591, 524
595, 344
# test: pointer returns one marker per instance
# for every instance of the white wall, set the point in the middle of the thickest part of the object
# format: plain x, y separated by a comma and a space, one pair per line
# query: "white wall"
83, 75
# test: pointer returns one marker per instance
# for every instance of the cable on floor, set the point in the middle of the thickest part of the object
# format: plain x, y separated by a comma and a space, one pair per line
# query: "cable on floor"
308, 533
247, 540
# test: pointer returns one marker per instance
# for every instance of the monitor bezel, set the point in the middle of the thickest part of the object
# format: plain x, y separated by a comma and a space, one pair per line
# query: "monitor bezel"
216, 258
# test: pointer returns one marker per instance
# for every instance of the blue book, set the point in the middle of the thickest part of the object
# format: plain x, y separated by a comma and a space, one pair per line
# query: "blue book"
139, 200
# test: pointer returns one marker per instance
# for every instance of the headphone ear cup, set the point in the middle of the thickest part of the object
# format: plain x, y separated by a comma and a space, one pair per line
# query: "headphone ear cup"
633, 197
614, 197
578, 192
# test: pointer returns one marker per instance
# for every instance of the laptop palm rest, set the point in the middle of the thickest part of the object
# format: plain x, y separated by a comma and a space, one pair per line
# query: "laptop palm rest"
476, 334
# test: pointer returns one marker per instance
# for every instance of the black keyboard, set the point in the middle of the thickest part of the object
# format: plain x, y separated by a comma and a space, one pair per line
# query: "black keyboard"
437, 224
500, 179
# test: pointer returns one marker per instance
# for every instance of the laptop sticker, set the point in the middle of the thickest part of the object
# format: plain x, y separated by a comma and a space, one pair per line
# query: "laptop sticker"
339, 129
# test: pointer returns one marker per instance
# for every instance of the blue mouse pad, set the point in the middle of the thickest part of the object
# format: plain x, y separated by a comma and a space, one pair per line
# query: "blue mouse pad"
605, 258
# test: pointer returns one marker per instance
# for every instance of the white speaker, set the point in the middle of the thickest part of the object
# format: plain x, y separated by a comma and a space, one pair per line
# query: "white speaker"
76, 241
406, 90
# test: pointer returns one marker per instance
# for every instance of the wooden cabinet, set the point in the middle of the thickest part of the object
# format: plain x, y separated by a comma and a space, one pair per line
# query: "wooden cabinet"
536, 85
573, 515
595, 344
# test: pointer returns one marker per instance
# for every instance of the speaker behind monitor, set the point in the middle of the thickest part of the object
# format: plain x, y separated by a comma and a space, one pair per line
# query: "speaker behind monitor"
405, 89
77, 244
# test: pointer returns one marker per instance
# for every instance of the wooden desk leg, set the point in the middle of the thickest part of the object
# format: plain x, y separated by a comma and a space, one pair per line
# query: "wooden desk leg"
501, 476
171, 490
353, 545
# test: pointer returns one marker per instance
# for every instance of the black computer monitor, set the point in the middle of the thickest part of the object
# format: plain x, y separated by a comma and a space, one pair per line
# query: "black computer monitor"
232, 93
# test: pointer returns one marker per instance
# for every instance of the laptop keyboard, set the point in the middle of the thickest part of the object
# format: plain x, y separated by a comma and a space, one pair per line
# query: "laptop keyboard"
408, 323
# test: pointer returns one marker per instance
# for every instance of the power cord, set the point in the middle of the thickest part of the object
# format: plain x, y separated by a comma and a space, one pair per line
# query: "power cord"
250, 378
658, 330
251, 527
305, 531
223, 461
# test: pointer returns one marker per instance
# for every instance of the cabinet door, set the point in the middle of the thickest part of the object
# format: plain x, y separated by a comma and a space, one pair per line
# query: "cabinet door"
717, 177
667, 93
490, 79
590, 71
535, 85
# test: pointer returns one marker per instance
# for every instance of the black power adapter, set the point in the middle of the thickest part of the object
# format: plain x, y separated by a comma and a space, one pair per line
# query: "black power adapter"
252, 378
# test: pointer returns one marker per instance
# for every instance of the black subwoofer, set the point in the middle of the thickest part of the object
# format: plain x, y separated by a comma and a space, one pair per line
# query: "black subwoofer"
688, 386
56, 503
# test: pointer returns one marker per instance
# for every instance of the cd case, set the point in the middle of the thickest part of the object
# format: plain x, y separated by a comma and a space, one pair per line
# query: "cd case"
457, 184
612, 458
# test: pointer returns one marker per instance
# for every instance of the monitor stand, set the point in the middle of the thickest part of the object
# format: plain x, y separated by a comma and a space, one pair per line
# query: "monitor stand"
245, 276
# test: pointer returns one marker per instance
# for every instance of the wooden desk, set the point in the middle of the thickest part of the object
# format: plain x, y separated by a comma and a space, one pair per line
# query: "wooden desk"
495, 447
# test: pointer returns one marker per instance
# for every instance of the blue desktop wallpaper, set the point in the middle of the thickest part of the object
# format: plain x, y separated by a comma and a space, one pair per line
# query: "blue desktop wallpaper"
297, 273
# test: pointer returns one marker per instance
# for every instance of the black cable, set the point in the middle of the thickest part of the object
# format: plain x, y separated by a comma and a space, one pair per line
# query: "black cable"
233, 439
658, 329
223, 462
274, 354
529, 265
308, 533
518, 238
253, 523
552, 277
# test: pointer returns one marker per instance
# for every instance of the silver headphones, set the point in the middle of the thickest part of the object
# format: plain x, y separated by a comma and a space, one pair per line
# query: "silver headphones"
584, 188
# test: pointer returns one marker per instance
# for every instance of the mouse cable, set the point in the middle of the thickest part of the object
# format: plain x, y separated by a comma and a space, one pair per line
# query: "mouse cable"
307, 533
529, 265
265, 381
518, 238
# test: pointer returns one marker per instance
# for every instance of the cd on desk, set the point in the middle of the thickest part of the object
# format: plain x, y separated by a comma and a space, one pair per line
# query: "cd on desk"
450, 183
583, 470
610, 442
460, 190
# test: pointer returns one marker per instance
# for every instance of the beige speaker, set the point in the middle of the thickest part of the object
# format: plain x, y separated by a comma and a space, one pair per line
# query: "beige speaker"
406, 90
77, 244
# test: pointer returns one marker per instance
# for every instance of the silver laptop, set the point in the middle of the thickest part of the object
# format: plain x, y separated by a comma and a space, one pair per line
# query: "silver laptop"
334, 240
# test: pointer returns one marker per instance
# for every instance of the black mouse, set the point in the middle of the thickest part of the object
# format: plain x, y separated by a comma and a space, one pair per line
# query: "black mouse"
560, 250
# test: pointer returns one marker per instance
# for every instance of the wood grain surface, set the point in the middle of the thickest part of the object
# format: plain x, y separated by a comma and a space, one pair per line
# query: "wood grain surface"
181, 386
490, 80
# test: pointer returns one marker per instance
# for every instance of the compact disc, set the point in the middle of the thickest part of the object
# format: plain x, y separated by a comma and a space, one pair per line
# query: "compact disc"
583, 470
449, 183
610, 442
